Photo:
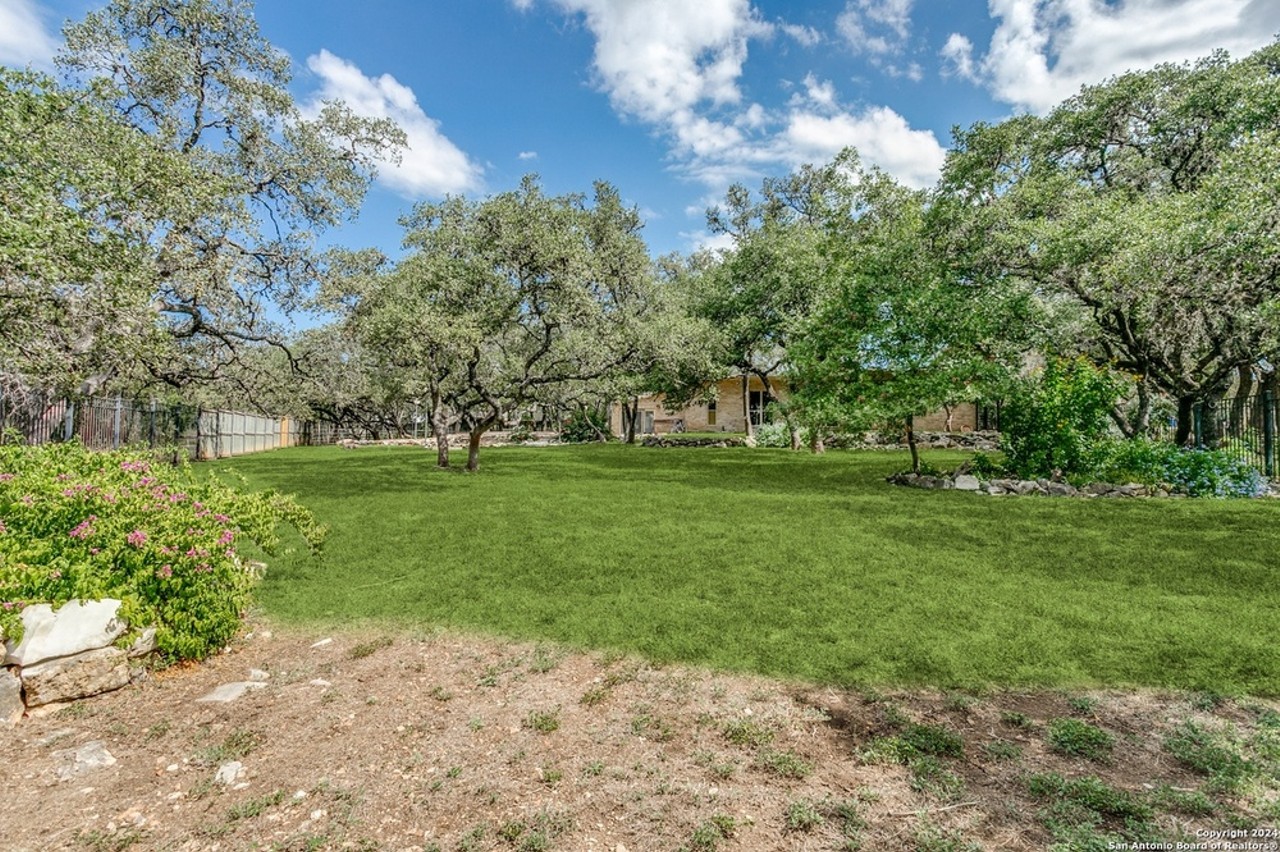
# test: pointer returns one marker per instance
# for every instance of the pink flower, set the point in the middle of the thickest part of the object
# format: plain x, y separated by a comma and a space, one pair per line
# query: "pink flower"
28, 500
55, 575
84, 529
5, 477
137, 538
166, 571
222, 519
3, 528
94, 551
227, 537
135, 466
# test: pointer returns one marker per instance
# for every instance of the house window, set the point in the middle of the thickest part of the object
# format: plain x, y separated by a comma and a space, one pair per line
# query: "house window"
755, 408
711, 413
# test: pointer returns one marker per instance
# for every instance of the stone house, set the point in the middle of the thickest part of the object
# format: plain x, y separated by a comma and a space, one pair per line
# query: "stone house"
726, 412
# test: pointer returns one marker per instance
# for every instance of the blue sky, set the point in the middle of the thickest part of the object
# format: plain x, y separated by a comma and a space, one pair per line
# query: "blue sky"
671, 100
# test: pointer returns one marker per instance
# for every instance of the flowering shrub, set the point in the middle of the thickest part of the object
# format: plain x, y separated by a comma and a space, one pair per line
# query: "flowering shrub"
76, 524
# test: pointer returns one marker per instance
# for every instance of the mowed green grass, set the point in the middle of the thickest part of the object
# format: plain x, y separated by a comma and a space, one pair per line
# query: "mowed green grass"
787, 564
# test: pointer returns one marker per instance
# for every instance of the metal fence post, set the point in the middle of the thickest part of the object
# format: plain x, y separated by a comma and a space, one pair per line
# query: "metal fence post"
1269, 433
69, 420
151, 425
115, 424
1197, 425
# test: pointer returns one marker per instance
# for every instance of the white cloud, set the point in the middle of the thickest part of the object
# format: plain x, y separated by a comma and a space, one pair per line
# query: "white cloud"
432, 165
702, 240
882, 137
522, 5
23, 38
804, 36
1044, 50
528, 155
958, 53
677, 67
877, 27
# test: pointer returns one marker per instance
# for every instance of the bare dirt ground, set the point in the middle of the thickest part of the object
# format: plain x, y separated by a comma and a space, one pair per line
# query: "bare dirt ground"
404, 741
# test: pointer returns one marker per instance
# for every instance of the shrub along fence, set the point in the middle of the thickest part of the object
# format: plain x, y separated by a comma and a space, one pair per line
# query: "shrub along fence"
109, 423
1243, 425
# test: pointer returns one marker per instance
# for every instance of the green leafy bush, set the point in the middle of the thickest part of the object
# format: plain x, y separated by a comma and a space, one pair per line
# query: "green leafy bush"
773, 435
76, 524
1055, 421
1199, 473
585, 426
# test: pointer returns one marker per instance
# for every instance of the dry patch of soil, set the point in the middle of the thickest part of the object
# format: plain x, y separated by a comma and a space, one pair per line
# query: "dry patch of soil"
404, 741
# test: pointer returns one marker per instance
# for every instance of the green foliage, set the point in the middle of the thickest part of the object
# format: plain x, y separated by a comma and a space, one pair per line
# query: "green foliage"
585, 426
1198, 473
1209, 753
785, 764
1080, 739
931, 776
802, 815
543, 721
707, 836
745, 732
1076, 807
81, 525
1055, 420
777, 435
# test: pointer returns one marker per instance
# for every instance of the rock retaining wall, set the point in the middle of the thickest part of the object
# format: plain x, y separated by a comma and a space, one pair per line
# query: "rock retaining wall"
66, 655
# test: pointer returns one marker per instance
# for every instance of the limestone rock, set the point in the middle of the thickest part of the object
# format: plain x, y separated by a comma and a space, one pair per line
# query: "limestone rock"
229, 773
1061, 489
78, 626
86, 758
144, 644
11, 706
78, 676
966, 482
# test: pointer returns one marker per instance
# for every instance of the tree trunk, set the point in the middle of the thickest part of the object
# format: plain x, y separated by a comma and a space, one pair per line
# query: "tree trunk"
911, 444
440, 430
473, 448
796, 440
1183, 431
1239, 404
630, 413
746, 404
816, 445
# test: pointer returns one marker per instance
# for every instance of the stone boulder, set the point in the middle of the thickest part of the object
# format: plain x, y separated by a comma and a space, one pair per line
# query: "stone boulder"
11, 706
77, 627
77, 676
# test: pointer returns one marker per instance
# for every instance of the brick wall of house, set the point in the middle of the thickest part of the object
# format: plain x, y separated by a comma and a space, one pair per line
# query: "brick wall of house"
729, 416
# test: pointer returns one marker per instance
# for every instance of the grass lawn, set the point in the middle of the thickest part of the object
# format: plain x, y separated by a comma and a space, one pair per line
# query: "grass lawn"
789, 565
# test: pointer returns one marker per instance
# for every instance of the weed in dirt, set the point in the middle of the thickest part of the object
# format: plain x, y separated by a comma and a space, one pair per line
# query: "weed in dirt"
931, 777
453, 772
785, 764
544, 660
1213, 754
959, 702
255, 807
1082, 705
1208, 700
1014, 719
1077, 810
652, 728
802, 815
372, 646
550, 775
475, 723
593, 769
109, 841
844, 812
745, 732
1074, 738
931, 838
1002, 750
158, 730
707, 836
472, 840
543, 721
439, 693
237, 744
1185, 802
593, 696
912, 741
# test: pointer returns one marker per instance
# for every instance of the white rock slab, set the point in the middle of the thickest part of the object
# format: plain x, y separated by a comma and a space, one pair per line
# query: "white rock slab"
77, 627
967, 482
86, 758
229, 692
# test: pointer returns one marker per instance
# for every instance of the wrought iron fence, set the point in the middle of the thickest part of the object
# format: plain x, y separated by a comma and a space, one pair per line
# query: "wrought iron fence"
1245, 425
108, 423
